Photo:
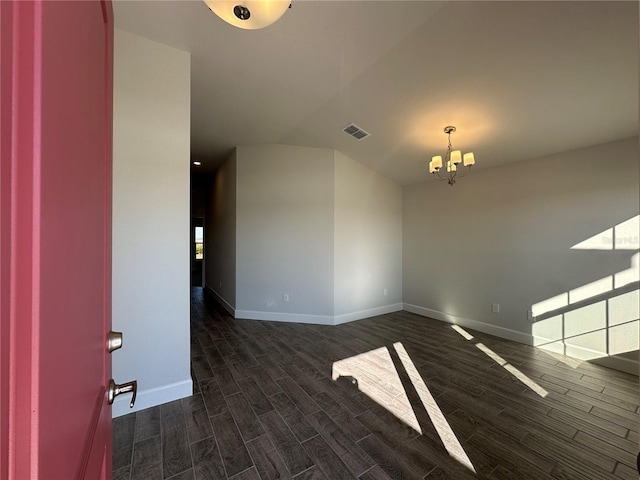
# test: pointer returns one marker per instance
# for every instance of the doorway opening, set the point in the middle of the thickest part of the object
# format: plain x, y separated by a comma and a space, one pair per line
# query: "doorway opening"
197, 251
199, 185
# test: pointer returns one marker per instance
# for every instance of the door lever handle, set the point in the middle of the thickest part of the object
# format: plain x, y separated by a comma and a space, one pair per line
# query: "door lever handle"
114, 341
115, 390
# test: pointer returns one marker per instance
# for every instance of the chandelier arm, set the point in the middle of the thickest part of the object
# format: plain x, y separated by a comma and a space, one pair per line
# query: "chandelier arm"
453, 170
438, 176
466, 172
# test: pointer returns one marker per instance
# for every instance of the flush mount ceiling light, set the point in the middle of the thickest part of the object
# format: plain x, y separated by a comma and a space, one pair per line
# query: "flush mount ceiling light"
451, 160
249, 14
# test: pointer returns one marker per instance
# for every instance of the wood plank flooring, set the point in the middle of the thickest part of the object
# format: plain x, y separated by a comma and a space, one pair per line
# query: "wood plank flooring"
396, 396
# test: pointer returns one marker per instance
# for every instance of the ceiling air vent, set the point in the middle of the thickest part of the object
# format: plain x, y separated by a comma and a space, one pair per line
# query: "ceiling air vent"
355, 131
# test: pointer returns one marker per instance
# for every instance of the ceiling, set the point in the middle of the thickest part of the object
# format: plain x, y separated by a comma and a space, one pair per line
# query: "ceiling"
519, 80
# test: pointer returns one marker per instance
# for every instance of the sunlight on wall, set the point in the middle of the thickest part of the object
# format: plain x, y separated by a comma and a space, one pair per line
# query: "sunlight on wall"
630, 275
590, 290
550, 304
624, 308
586, 319
623, 236
606, 326
375, 374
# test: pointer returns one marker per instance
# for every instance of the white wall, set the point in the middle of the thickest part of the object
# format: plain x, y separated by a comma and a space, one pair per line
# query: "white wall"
220, 235
284, 242
151, 141
505, 236
368, 242
310, 224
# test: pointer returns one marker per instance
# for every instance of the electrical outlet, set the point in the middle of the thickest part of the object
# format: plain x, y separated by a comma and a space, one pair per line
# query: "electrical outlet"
495, 308
285, 297
386, 292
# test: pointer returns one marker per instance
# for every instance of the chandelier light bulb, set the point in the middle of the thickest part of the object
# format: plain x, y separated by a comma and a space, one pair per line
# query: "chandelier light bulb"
452, 158
468, 159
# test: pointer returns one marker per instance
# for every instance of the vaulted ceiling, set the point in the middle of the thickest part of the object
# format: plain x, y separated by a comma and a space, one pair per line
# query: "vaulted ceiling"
519, 80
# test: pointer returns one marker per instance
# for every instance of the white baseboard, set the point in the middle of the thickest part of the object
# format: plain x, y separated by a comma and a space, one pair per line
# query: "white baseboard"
616, 363
318, 319
495, 330
227, 306
583, 354
285, 317
371, 312
152, 397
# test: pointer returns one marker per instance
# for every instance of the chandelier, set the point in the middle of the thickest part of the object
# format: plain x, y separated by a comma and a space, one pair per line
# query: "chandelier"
451, 161
249, 14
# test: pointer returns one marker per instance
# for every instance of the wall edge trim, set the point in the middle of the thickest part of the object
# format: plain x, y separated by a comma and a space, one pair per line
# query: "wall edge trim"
285, 317
616, 363
368, 313
153, 397
483, 327
227, 306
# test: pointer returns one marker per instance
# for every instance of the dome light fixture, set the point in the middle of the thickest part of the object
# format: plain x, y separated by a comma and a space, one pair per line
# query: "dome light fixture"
249, 14
451, 161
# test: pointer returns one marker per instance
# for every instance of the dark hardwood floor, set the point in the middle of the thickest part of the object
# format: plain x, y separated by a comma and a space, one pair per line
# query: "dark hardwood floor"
395, 396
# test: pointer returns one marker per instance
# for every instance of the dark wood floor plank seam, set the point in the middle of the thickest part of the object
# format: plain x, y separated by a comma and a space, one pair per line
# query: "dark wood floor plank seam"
176, 454
267, 459
265, 402
285, 442
235, 456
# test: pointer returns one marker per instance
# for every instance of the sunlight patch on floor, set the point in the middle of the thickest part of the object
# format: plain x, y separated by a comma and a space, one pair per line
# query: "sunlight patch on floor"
503, 363
462, 332
438, 419
568, 361
512, 370
375, 374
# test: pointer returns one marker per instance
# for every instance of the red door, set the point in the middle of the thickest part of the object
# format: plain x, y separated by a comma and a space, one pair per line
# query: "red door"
55, 239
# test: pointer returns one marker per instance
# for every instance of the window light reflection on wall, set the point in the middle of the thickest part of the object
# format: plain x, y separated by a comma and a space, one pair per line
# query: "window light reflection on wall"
600, 318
